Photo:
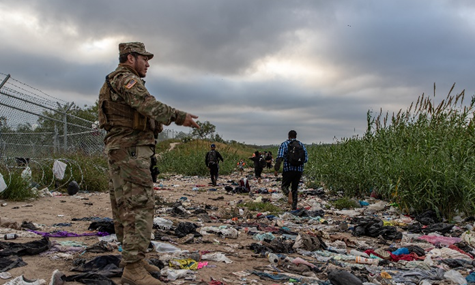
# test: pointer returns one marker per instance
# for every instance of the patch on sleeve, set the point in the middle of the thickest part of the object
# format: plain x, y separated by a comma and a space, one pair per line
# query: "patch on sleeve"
130, 84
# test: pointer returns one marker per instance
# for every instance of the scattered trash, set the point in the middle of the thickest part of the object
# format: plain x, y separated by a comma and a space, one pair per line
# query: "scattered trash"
374, 243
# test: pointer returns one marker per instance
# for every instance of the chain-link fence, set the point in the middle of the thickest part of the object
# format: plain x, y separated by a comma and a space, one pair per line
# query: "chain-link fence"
36, 129
34, 124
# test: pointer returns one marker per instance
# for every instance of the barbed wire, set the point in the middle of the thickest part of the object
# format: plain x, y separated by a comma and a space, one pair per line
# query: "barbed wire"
33, 88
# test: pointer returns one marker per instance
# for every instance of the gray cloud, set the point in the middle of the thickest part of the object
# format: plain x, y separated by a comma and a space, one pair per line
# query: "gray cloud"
210, 55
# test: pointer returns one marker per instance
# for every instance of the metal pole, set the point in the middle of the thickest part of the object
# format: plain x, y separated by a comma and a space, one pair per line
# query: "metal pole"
55, 139
65, 124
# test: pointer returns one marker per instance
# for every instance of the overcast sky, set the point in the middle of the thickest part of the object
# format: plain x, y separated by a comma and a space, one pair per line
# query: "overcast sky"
254, 68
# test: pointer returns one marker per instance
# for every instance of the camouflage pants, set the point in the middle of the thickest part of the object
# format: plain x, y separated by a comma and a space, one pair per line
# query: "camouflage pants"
132, 199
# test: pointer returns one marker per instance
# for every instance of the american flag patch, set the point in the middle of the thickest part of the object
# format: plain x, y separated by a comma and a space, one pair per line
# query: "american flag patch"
130, 84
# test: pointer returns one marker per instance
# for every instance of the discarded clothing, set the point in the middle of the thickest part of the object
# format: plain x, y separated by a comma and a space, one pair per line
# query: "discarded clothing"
68, 234
6, 264
21, 249
102, 226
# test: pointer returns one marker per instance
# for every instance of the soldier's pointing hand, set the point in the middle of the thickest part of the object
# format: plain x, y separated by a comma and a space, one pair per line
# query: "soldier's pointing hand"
189, 122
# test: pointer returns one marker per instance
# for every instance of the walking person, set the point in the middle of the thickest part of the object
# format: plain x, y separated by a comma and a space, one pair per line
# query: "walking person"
259, 164
240, 166
133, 118
294, 155
212, 162
269, 160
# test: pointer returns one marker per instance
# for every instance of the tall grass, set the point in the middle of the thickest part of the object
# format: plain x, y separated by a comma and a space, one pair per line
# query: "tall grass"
189, 158
18, 189
422, 158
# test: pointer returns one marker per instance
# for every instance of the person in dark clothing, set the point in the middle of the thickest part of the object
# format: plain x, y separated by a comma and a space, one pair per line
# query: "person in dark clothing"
269, 159
212, 162
291, 173
258, 166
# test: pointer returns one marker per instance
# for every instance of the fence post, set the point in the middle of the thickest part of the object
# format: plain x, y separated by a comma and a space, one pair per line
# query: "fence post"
65, 132
1, 85
65, 123
55, 139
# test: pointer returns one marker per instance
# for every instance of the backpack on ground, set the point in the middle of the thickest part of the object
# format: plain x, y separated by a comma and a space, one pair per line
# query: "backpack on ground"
262, 162
212, 157
296, 154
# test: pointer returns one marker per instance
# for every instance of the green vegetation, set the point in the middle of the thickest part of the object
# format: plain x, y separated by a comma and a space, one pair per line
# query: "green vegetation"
262, 207
90, 172
189, 158
17, 189
345, 203
423, 158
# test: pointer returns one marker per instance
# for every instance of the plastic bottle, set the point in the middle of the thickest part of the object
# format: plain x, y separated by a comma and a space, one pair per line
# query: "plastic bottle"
273, 258
363, 260
10, 236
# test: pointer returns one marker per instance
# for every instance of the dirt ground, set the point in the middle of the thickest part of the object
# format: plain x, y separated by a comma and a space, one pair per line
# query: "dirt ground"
193, 191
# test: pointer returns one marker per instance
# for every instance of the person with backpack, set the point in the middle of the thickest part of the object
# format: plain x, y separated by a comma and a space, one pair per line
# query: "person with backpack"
259, 164
269, 159
212, 162
294, 155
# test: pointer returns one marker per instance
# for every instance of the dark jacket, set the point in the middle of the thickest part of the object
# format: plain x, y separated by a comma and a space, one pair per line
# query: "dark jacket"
207, 158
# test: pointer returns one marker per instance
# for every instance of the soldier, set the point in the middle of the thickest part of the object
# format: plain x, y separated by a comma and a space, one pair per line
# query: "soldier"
133, 118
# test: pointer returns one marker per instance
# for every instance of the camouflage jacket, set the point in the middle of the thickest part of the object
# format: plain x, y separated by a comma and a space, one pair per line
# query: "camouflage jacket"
131, 88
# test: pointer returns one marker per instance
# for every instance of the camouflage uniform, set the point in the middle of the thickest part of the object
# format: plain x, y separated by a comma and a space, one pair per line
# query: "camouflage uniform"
132, 118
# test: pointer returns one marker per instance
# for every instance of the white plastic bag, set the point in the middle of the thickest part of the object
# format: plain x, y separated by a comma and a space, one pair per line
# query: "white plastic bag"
230, 233
164, 247
455, 276
59, 168
277, 196
162, 223
26, 174
3, 185
216, 256
174, 274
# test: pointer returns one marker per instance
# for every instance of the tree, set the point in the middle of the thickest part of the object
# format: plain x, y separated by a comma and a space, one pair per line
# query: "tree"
4, 124
206, 129
217, 138
181, 135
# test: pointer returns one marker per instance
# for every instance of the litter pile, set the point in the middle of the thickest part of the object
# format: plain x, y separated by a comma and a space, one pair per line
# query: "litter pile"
214, 235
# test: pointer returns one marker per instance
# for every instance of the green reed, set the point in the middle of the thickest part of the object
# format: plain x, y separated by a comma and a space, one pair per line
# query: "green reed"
422, 158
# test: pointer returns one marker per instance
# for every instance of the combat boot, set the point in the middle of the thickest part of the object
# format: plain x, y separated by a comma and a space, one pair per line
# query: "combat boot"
149, 267
135, 274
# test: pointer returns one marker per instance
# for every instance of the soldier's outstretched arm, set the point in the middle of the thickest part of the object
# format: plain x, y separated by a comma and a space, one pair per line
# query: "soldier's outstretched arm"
189, 122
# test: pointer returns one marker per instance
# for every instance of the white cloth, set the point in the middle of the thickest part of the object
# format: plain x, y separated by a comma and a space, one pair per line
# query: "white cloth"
59, 168
20, 280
